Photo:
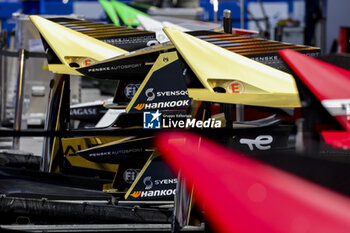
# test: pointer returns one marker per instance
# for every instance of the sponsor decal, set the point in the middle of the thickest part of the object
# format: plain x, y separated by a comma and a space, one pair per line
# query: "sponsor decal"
139, 106
165, 181
119, 67
156, 181
128, 66
166, 104
235, 87
154, 193
130, 175
191, 123
150, 94
100, 69
130, 90
261, 142
172, 93
159, 93
115, 152
131, 39
83, 111
148, 182
151, 120
276, 58
266, 58
86, 62
136, 194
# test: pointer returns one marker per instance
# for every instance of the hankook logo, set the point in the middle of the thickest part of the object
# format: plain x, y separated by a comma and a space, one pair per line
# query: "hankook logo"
139, 106
136, 194
154, 193
161, 105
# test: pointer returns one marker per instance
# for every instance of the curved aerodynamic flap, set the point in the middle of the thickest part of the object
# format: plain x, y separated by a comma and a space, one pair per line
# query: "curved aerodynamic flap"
109, 9
329, 83
259, 197
66, 42
118, 151
127, 14
132, 65
216, 67
153, 25
337, 139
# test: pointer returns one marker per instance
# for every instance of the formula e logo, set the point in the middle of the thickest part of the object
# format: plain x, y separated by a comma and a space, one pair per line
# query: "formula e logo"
261, 142
150, 94
151, 120
148, 182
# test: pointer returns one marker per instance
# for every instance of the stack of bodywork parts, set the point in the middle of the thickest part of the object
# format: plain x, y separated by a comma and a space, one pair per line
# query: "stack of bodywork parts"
191, 75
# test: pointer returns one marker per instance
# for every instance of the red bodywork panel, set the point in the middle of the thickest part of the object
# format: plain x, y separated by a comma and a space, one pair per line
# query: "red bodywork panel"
243, 195
337, 139
326, 81
239, 31
331, 86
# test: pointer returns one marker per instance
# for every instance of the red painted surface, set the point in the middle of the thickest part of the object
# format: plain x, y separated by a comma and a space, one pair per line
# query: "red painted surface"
326, 81
337, 139
243, 195
342, 43
239, 31
235, 88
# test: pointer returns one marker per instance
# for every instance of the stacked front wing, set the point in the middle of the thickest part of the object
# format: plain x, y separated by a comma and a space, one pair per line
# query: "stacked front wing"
71, 43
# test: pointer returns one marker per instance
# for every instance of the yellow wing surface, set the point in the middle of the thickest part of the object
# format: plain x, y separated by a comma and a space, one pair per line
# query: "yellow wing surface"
73, 49
228, 77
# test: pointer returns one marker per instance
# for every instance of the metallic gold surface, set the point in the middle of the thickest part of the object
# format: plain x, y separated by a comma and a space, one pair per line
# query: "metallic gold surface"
139, 52
216, 67
118, 141
56, 141
72, 145
66, 43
